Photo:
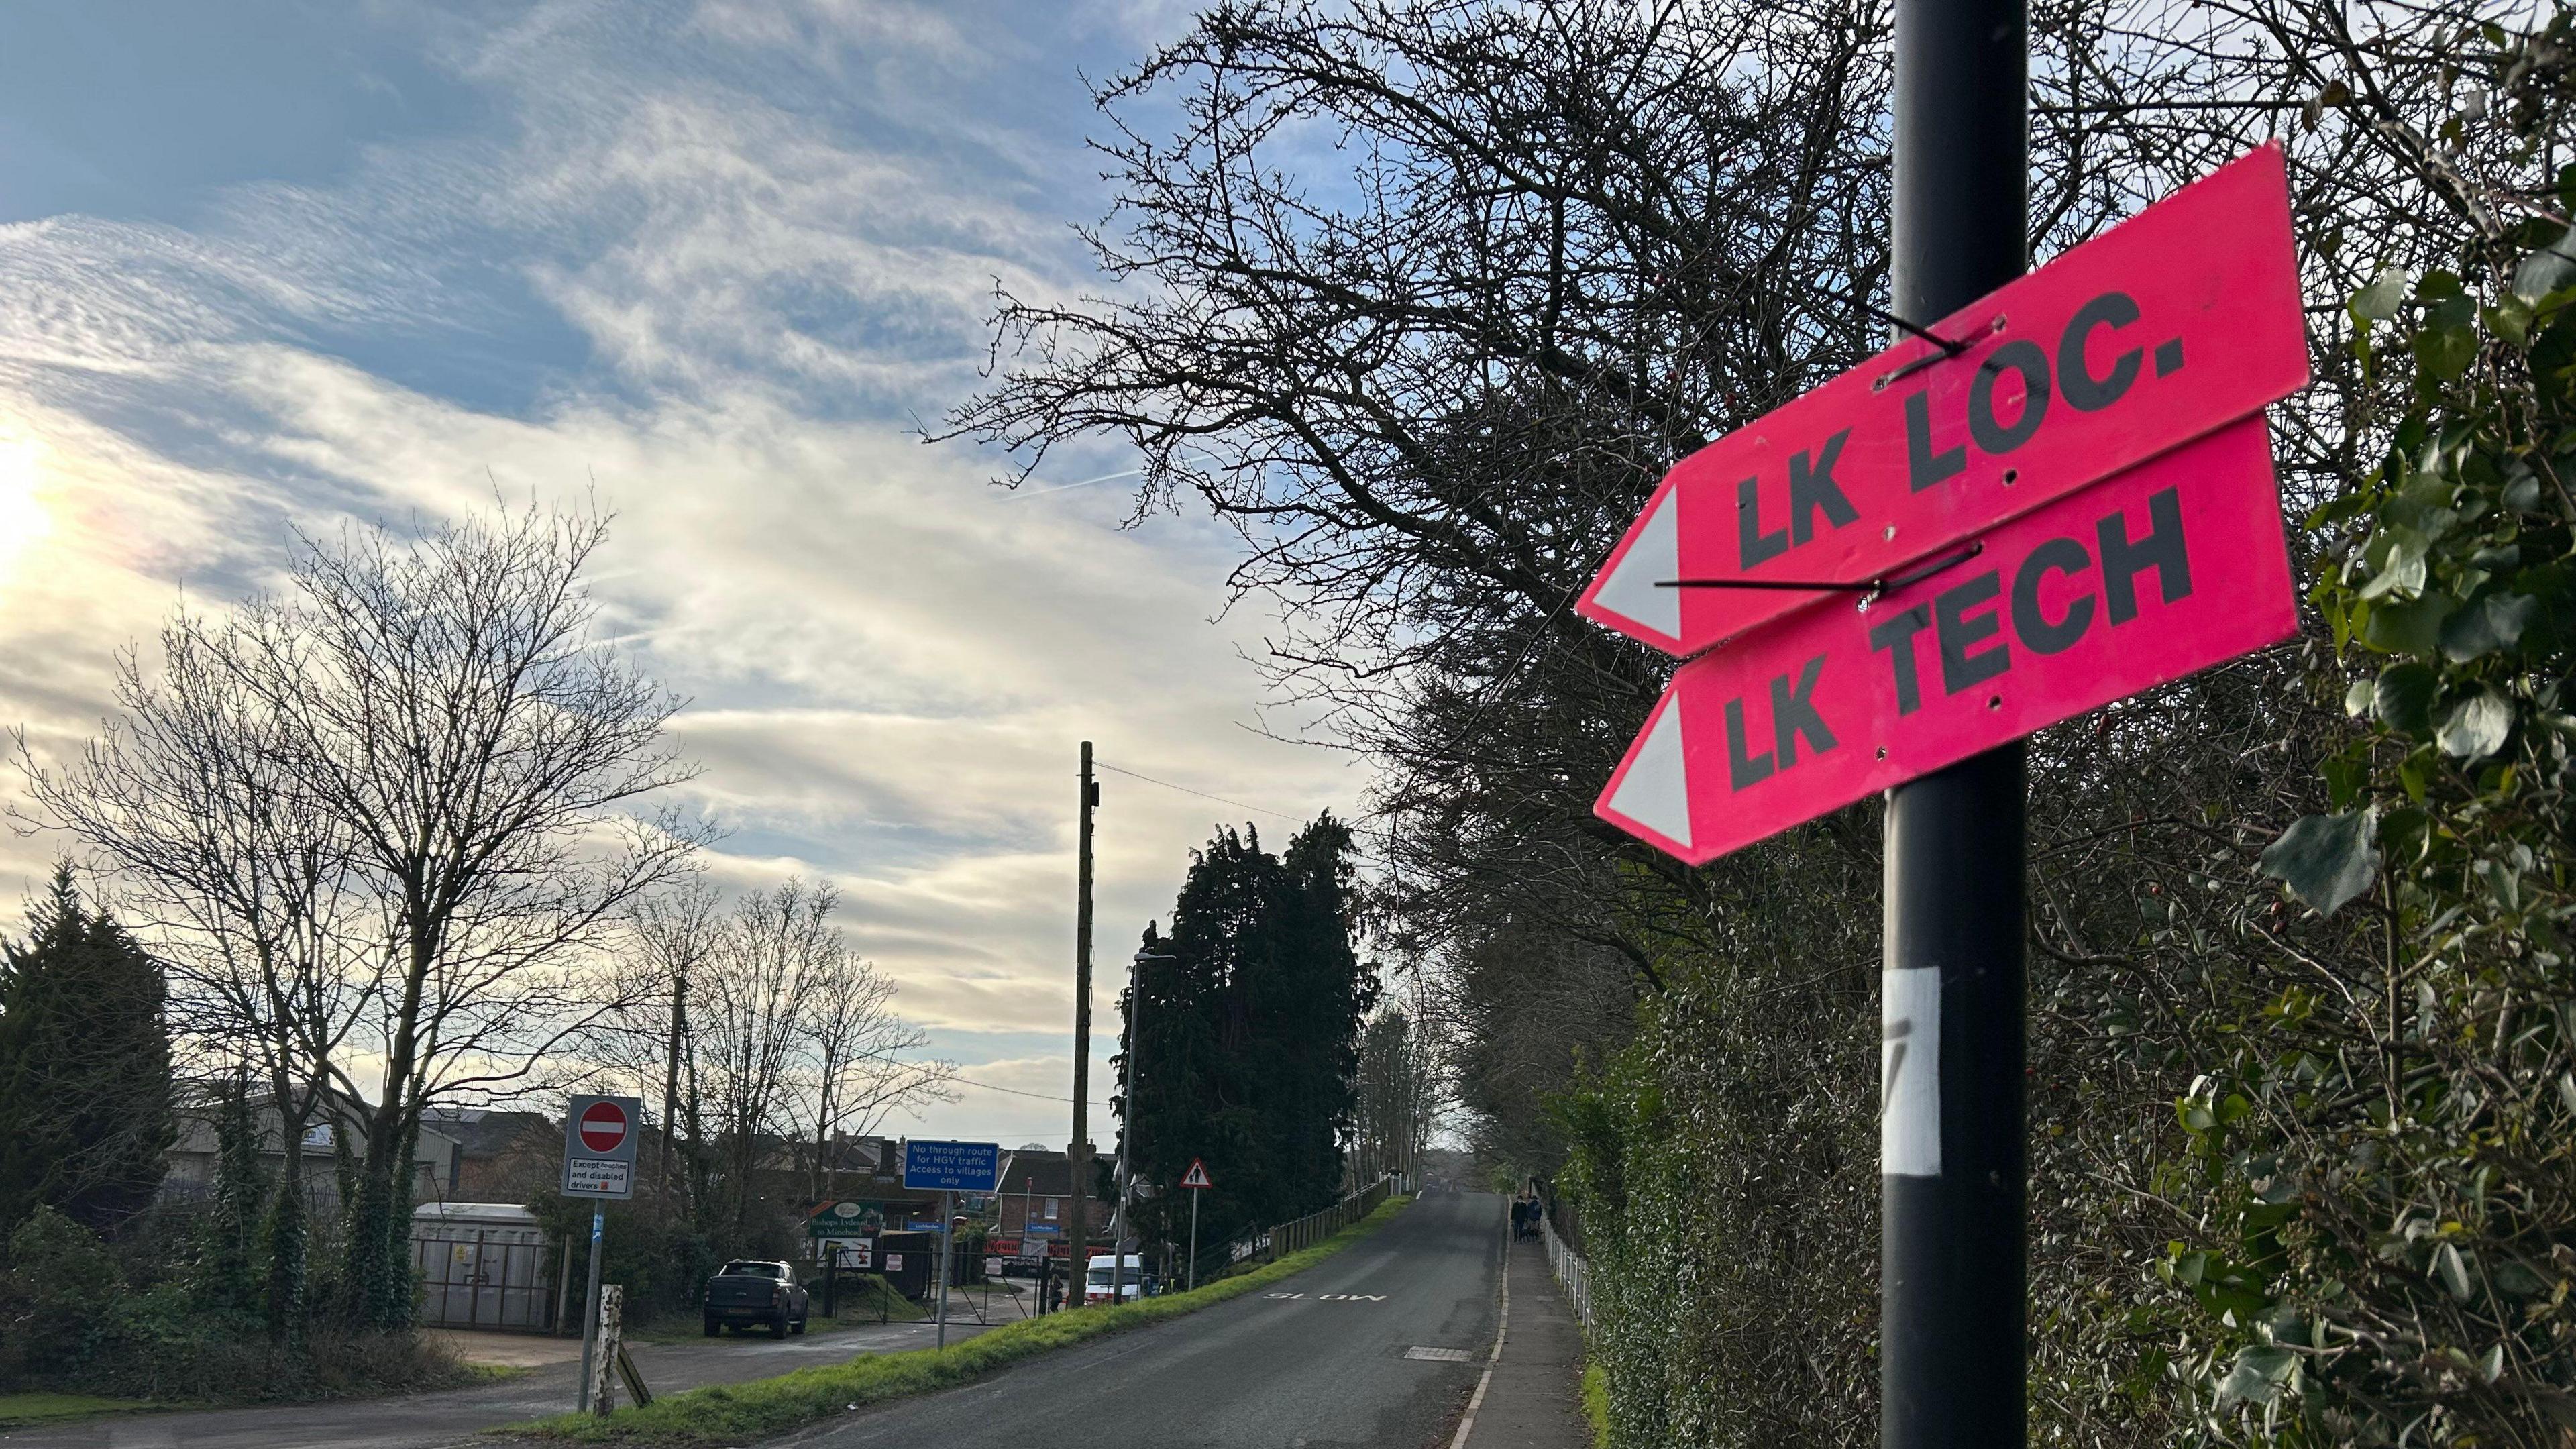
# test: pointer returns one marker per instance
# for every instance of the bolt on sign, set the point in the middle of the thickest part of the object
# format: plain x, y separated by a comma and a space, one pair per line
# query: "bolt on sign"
599, 1147
2171, 325
1935, 554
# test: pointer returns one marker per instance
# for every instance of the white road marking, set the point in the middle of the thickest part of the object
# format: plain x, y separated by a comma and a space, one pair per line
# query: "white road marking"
1442, 1355
1502, 1325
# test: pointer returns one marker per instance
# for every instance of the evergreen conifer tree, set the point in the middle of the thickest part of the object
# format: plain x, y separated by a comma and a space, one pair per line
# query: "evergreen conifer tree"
1243, 1033
85, 1083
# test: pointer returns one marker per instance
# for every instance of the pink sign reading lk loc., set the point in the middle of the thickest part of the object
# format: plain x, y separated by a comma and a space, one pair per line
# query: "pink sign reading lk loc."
2171, 567
2169, 326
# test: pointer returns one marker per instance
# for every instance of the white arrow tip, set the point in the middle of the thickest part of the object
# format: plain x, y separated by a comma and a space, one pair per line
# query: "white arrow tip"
1630, 592
1656, 790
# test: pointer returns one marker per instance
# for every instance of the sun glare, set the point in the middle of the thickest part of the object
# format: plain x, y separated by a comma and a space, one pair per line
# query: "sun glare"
23, 520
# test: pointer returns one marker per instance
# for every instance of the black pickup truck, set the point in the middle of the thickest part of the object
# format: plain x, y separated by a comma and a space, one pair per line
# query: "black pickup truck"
756, 1290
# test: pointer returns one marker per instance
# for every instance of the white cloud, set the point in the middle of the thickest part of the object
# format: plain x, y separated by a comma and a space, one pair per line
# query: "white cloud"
891, 662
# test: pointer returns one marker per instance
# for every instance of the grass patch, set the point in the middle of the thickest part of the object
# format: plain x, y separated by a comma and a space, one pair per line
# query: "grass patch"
1596, 1404
17, 1411
733, 1413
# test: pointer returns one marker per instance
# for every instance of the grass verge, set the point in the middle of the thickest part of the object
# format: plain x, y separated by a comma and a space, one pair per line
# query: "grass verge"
1596, 1404
17, 1411
734, 1413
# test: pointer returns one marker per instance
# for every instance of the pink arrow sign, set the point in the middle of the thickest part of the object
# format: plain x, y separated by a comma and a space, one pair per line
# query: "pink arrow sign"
2177, 322
2169, 568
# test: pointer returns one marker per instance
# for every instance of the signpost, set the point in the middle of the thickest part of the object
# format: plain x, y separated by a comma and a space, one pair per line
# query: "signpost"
2177, 322
947, 1168
1196, 1179
599, 1164
2059, 497
2169, 568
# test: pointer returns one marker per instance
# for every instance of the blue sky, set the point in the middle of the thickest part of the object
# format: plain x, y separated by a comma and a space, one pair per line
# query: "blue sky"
277, 263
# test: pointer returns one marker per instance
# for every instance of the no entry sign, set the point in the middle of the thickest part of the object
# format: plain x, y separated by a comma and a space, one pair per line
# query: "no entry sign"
603, 1127
2177, 322
599, 1146
2173, 566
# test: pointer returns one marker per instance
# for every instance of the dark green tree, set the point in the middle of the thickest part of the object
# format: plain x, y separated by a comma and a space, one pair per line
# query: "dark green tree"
1242, 1034
85, 1085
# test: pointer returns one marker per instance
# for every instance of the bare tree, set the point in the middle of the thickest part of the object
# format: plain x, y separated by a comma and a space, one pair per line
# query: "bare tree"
857, 1070
1399, 1095
444, 700
754, 998
677, 931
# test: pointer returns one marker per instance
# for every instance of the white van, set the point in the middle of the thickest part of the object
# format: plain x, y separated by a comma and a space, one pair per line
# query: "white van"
1095, 1287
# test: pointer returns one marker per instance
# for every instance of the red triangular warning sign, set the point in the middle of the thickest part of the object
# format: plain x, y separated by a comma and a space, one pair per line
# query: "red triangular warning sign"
1197, 1175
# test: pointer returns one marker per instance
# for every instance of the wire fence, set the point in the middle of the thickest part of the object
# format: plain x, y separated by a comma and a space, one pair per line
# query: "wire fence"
1273, 1243
1572, 1274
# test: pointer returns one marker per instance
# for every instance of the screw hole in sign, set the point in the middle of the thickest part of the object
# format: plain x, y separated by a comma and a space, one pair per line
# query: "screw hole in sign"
1994, 701
2011, 476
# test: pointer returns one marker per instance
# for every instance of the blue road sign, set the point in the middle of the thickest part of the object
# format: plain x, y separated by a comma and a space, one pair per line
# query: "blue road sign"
952, 1166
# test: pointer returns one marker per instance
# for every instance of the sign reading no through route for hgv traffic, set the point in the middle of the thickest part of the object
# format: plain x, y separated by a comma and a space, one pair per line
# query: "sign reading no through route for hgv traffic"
599, 1146
2169, 326
952, 1166
2171, 567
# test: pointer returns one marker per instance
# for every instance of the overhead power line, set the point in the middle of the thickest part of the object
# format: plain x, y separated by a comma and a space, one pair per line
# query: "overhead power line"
1357, 855
1202, 794
1016, 1091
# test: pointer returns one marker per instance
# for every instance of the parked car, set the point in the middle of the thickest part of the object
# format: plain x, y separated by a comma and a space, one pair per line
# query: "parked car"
1096, 1284
756, 1290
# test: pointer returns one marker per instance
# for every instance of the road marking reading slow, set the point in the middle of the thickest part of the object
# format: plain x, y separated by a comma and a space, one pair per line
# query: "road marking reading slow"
1334, 1297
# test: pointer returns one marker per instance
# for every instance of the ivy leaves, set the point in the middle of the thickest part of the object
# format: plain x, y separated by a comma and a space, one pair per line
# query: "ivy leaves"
2454, 560
2326, 860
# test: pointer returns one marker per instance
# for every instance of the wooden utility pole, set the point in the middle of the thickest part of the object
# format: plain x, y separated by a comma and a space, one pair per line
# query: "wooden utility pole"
671, 1078
1078, 1152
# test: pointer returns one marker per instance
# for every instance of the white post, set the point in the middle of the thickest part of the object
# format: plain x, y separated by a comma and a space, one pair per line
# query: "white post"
1194, 1239
602, 1388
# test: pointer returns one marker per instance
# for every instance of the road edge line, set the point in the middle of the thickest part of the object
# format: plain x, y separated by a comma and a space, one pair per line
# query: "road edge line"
1502, 1327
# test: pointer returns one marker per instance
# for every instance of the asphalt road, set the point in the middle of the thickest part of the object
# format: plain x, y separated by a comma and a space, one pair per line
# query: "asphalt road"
456, 1417
1317, 1359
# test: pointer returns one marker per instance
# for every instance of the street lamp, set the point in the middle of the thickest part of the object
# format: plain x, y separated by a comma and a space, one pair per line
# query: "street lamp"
1122, 1230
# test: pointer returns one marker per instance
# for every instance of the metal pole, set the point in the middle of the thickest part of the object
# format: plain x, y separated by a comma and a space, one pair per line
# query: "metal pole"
590, 1309
1194, 1239
1126, 1139
1953, 1260
947, 1251
1078, 1152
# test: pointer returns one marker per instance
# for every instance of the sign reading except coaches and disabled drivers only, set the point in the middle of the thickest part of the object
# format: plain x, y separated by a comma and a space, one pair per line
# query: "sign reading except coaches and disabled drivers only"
2177, 322
2168, 568
952, 1166
599, 1146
